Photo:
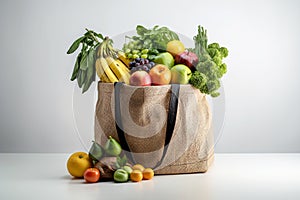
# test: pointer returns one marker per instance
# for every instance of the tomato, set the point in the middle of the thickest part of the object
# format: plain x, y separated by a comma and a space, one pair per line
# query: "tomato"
92, 175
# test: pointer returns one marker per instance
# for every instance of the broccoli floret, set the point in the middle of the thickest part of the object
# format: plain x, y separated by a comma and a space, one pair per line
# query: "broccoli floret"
218, 54
204, 57
214, 46
217, 60
198, 80
213, 85
209, 68
224, 52
215, 94
212, 52
223, 69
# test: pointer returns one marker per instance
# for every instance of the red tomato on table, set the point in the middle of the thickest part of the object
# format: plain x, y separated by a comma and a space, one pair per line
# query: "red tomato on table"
92, 175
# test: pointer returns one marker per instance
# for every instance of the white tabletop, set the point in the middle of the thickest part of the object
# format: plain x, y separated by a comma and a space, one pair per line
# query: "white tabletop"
232, 176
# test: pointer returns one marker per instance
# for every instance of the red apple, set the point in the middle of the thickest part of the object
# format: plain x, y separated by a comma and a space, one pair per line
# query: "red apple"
187, 58
160, 75
140, 78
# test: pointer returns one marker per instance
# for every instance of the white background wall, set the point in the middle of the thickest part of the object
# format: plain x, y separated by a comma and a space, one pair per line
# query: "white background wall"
262, 83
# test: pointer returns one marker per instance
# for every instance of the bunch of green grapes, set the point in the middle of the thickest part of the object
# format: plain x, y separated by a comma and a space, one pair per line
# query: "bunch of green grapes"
138, 49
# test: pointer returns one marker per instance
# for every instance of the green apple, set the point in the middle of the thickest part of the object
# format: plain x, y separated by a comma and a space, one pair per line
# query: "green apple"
180, 74
165, 58
127, 169
121, 176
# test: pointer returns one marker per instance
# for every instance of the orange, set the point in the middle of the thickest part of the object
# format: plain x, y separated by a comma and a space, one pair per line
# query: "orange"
138, 167
77, 164
136, 175
148, 174
175, 47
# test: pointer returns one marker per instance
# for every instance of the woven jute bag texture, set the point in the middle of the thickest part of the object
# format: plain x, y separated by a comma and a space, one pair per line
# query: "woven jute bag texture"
144, 112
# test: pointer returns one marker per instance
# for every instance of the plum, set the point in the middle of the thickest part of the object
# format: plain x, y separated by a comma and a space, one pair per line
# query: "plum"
187, 58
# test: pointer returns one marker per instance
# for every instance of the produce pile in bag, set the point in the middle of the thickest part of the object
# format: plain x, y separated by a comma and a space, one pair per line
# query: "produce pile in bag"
154, 67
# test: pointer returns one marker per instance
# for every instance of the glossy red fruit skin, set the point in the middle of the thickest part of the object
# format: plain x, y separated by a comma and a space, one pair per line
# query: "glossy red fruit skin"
187, 58
140, 78
91, 175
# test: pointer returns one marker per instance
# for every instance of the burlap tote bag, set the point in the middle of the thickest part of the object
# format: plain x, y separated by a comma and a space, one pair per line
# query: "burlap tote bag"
167, 128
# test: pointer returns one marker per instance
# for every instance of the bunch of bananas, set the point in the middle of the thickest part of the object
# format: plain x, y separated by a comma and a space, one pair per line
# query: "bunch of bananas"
111, 64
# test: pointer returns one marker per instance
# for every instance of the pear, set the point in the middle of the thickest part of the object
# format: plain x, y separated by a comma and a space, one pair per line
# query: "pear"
95, 152
112, 147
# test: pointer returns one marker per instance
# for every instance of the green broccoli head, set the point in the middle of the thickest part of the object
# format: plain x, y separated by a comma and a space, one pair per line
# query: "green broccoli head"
210, 68
204, 57
212, 51
215, 94
206, 66
214, 46
198, 80
217, 60
213, 85
224, 52
223, 69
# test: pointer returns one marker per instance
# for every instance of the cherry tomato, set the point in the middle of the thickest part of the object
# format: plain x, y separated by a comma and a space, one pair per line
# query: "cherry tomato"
92, 175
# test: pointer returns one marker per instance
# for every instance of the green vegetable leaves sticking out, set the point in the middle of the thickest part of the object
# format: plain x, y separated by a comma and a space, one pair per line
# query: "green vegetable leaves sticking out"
75, 45
76, 67
84, 70
210, 67
155, 38
140, 30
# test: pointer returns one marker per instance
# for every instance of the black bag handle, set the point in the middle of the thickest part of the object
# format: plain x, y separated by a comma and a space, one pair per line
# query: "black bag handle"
172, 114
118, 121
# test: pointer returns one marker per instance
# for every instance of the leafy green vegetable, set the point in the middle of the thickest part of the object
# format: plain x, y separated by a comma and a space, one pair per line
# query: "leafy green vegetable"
210, 68
75, 45
198, 80
84, 70
76, 67
155, 38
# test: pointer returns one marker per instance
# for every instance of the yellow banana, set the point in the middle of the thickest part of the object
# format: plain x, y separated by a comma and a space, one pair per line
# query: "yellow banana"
126, 71
98, 67
123, 67
125, 78
123, 58
100, 72
116, 67
104, 78
105, 67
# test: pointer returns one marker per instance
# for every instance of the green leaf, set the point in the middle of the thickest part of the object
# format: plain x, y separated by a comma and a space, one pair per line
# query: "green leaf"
91, 71
141, 30
99, 35
84, 61
76, 67
81, 78
75, 45
91, 58
87, 84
